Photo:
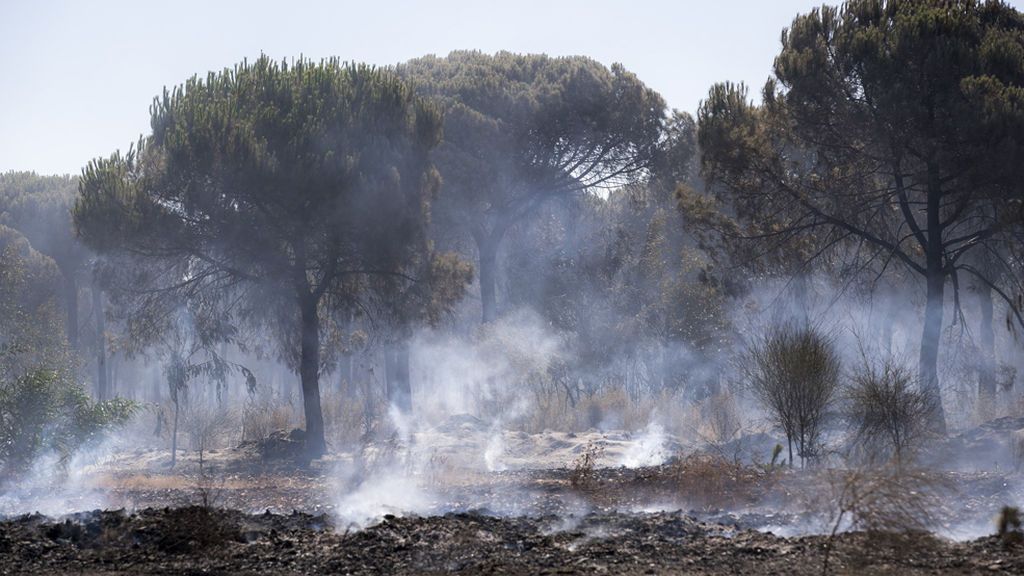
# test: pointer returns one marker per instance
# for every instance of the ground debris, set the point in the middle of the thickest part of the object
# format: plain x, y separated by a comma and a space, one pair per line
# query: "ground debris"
199, 540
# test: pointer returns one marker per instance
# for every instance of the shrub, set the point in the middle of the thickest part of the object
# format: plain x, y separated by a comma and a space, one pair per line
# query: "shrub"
583, 474
45, 411
720, 421
206, 424
889, 416
709, 481
794, 372
884, 502
1009, 526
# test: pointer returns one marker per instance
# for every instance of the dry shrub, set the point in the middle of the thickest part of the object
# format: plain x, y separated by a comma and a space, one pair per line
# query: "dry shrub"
438, 471
719, 419
583, 473
346, 417
889, 415
893, 506
794, 372
887, 500
710, 481
207, 425
208, 488
608, 406
263, 415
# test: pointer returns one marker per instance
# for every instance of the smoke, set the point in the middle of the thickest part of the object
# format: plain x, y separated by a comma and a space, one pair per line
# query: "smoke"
650, 448
54, 485
494, 453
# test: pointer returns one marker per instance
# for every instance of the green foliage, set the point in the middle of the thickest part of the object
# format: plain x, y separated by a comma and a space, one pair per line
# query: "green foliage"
44, 411
274, 194
39, 207
521, 130
891, 133
32, 332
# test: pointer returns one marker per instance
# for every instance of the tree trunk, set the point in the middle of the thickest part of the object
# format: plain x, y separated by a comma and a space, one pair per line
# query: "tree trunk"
930, 337
71, 303
344, 381
399, 386
112, 369
309, 374
174, 434
888, 321
102, 391
987, 356
801, 290
935, 279
488, 261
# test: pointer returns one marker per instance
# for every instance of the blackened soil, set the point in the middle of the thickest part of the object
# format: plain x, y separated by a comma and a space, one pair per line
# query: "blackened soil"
196, 540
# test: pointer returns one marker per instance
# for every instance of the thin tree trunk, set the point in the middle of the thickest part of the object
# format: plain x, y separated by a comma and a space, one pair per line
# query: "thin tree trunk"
309, 369
71, 303
801, 290
987, 358
397, 367
112, 366
174, 434
488, 260
935, 280
102, 391
888, 322
344, 380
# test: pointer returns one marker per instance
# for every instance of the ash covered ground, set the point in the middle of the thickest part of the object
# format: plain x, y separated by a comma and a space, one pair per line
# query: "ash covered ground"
464, 497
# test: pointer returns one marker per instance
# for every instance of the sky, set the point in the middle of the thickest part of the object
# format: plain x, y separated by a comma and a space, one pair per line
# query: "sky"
77, 78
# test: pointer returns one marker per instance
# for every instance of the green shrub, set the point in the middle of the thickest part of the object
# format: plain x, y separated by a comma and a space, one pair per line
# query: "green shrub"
44, 411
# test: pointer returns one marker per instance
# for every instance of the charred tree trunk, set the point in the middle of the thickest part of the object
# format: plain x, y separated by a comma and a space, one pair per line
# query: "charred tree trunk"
309, 374
935, 279
987, 345
102, 387
174, 432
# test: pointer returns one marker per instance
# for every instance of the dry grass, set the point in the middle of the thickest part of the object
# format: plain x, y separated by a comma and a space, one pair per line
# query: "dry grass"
709, 481
583, 473
264, 415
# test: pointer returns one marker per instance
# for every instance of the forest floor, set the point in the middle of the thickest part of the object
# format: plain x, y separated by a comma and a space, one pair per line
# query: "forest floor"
555, 503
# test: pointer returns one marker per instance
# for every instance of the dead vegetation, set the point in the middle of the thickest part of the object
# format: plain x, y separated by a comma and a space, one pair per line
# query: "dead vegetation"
794, 372
889, 414
583, 472
708, 481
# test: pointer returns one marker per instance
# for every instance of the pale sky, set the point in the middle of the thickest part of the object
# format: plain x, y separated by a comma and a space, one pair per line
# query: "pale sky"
77, 78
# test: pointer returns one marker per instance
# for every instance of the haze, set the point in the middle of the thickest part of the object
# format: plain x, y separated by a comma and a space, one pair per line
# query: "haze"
85, 73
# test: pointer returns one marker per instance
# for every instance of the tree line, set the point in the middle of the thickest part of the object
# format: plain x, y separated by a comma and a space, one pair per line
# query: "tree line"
282, 207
